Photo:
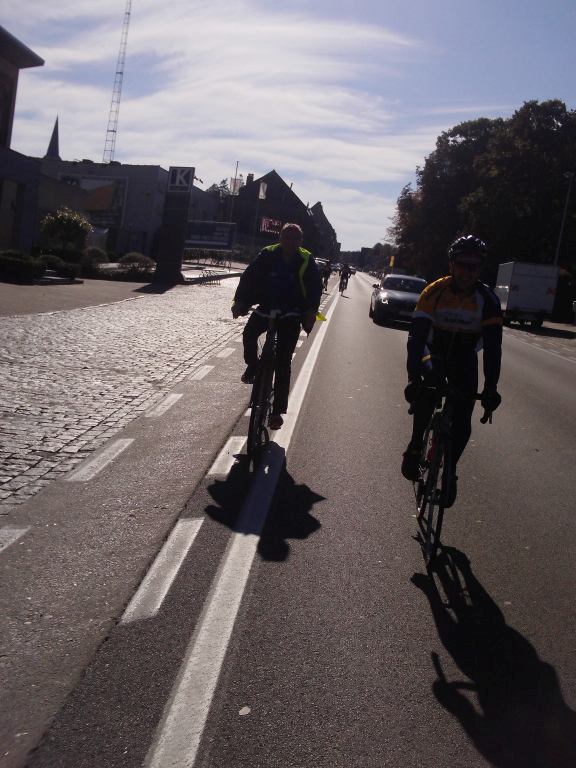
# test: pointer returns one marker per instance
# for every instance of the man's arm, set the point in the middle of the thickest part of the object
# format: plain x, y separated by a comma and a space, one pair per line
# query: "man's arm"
247, 291
313, 285
417, 337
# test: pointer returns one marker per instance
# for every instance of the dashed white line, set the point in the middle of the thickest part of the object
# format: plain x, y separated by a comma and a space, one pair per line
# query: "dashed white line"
204, 370
227, 457
543, 349
179, 733
95, 465
9, 535
156, 584
164, 406
226, 352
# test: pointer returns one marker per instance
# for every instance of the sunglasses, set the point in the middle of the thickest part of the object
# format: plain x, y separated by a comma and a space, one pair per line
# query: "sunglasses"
469, 266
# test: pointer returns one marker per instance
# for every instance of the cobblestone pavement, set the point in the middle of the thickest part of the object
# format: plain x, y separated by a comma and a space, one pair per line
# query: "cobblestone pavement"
72, 379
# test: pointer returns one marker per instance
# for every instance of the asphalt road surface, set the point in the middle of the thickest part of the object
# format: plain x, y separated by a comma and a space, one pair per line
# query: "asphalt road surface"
301, 629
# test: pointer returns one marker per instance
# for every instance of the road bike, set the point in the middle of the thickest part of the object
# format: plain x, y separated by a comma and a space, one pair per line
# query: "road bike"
343, 284
262, 398
436, 472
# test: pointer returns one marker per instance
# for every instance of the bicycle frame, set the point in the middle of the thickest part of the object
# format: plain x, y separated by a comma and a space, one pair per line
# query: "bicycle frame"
436, 469
263, 389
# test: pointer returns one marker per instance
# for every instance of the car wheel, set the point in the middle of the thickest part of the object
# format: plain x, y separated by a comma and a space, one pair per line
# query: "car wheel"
377, 315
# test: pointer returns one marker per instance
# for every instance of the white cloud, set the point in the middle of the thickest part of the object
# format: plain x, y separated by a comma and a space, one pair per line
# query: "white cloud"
225, 81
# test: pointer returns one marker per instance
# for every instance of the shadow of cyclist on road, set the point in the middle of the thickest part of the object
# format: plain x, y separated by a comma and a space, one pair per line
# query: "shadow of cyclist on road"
289, 515
514, 712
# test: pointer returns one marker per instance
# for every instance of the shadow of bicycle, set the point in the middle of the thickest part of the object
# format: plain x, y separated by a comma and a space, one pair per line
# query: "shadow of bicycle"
511, 706
289, 515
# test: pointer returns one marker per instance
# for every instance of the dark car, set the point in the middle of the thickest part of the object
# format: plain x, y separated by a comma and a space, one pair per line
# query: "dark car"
395, 297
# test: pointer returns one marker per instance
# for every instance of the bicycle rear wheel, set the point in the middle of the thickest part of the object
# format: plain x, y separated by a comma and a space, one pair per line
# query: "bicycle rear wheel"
431, 494
260, 403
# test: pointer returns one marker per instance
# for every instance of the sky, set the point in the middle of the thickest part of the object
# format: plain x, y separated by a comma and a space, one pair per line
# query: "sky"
344, 98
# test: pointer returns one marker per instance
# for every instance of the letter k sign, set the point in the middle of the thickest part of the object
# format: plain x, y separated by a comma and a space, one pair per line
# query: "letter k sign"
180, 179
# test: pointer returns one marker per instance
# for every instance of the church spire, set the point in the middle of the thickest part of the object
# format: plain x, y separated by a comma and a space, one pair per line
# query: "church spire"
53, 152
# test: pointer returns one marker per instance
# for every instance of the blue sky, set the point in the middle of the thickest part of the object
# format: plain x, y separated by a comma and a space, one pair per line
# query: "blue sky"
343, 98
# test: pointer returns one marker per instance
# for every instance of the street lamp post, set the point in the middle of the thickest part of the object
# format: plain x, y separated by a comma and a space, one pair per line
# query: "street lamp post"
570, 176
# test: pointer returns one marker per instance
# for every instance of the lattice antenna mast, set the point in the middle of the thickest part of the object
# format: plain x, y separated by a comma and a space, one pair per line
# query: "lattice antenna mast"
112, 130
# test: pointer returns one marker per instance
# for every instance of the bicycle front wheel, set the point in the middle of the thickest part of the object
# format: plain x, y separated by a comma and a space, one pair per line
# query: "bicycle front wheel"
430, 495
260, 410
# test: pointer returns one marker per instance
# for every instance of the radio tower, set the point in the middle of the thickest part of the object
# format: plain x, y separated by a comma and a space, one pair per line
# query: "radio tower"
112, 130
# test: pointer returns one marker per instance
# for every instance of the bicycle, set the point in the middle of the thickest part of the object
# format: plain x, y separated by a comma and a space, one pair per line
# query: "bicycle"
262, 396
435, 478
325, 283
343, 284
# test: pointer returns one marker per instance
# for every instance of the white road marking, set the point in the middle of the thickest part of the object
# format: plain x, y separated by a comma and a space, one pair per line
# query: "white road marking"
226, 352
157, 582
95, 465
9, 535
227, 457
163, 406
180, 730
201, 372
299, 343
542, 349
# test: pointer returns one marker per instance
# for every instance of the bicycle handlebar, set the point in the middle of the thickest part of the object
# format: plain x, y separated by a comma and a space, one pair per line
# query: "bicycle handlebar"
486, 418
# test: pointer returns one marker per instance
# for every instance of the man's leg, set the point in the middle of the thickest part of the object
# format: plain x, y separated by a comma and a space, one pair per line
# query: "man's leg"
432, 374
288, 332
465, 381
254, 328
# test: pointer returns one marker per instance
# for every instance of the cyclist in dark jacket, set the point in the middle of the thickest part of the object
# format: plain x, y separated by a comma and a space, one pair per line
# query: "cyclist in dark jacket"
285, 277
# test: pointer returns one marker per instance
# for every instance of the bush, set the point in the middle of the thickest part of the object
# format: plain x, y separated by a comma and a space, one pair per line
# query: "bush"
16, 267
135, 259
51, 261
71, 271
94, 256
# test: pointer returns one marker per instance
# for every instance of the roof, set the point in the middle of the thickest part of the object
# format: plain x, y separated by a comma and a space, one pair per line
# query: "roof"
16, 52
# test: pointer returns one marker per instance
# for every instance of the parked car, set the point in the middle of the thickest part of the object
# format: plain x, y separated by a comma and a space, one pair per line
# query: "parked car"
395, 297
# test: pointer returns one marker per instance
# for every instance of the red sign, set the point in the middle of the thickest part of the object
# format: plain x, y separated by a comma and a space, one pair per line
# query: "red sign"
270, 226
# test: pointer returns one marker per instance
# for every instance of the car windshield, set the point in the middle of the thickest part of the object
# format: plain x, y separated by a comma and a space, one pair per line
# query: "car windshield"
405, 284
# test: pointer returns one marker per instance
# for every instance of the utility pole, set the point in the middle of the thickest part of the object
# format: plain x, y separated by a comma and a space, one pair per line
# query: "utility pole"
233, 191
570, 176
112, 130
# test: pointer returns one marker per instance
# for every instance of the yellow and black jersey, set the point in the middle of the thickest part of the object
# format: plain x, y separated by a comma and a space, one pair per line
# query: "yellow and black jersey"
453, 312
450, 323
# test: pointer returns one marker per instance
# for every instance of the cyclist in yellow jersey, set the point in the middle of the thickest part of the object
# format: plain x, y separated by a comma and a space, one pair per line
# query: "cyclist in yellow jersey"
455, 317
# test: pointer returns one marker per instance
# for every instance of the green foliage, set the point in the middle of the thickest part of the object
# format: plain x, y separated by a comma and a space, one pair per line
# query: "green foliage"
66, 228
51, 261
94, 256
139, 260
502, 180
17, 267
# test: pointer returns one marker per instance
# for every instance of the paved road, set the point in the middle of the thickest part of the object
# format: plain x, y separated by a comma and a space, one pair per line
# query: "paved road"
342, 652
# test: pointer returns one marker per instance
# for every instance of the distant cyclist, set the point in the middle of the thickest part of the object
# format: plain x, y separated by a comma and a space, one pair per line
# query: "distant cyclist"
454, 318
326, 272
345, 273
285, 277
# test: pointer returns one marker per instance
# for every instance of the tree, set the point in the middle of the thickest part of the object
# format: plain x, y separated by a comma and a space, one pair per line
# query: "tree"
500, 179
66, 228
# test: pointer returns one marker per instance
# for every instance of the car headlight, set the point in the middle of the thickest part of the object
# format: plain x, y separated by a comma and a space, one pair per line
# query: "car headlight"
384, 298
